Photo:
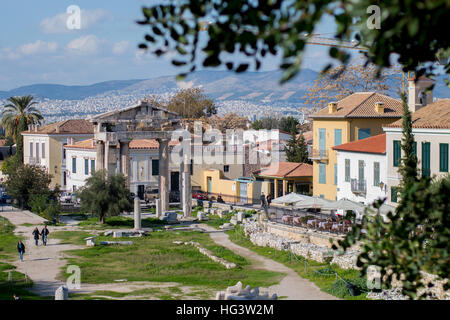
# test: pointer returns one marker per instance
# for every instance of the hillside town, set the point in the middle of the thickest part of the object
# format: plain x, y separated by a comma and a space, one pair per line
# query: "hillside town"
183, 194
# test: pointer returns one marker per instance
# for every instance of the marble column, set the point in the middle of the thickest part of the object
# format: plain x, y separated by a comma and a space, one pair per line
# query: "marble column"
106, 166
100, 163
125, 160
137, 213
164, 174
187, 191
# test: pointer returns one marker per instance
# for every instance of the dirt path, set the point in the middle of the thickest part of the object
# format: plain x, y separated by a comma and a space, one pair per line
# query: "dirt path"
292, 286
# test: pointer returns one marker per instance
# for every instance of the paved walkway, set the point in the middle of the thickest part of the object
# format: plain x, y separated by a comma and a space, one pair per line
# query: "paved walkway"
292, 286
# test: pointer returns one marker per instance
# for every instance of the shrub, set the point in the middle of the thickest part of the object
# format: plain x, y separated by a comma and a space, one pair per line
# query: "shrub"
38, 203
52, 212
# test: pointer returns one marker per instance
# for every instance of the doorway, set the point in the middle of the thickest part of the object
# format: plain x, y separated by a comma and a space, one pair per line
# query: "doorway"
174, 181
140, 191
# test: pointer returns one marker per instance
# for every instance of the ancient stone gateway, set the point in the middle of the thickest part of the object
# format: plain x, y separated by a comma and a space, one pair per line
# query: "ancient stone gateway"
143, 121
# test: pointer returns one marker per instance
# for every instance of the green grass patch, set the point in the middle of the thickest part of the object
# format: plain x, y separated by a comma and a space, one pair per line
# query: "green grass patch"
8, 240
322, 274
156, 258
118, 222
71, 237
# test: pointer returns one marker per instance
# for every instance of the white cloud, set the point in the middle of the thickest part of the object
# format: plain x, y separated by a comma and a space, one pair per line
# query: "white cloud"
84, 45
38, 47
58, 23
120, 47
8, 54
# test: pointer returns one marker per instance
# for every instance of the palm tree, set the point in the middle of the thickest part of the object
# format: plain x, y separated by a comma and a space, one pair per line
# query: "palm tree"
19, 108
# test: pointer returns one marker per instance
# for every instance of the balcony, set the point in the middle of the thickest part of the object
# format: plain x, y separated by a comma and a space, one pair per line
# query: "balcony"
358, 186
317, 154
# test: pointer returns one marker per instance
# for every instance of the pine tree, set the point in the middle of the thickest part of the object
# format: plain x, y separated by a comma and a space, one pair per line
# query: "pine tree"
408, 165
296, 150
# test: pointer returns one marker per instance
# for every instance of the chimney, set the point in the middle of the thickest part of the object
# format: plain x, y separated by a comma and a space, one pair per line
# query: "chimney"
332, 107
57, 128
418, 97
379, 107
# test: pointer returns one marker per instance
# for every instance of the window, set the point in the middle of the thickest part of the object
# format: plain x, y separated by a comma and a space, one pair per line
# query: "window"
347, 170
397, 153
337, 137
322, 136
363, 133
394, 197
37, 150
335, 174
426, 159
86, 166
415, 148
74, 165
92, 166
322, 173
31, 149
43, 150
191, 167
376, 174
226, 168
155, 167
361, 170
443, 157
64, 151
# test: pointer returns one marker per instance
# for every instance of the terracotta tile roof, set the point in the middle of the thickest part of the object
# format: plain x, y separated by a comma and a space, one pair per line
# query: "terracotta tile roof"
73, 126
436, 115
134, 144
287, 170
362, 105
375, 144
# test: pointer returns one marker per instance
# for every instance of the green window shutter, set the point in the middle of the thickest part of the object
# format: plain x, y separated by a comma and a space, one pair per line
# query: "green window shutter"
347, 170
337, 137
322, 173
74, 165
92, 166
426, 159
376, 174
397, 152
415, 148
322, 141
335, 174
393, 194
86, 166
443, 157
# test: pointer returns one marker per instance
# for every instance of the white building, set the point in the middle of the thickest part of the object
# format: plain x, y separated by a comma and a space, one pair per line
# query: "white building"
361, 169
144, 165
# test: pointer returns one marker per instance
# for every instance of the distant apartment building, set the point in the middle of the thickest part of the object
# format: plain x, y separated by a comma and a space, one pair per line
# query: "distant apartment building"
361, 169
44, 146
431, 129
358, 116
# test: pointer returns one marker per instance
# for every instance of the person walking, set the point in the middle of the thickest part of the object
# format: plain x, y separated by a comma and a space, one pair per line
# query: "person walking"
21, 249
269, 200
44, 234
263, 200
36, 235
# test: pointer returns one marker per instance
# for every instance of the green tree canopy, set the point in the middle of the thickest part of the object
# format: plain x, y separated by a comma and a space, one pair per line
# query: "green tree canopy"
296, 149
105, 195
26, 181
242, 32
287, 124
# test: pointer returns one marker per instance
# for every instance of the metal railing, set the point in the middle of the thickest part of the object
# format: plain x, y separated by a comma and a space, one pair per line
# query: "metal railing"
358, 186
318, 154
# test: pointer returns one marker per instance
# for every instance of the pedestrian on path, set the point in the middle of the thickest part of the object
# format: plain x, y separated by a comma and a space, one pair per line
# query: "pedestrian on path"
44, 234
21, 249
36, 235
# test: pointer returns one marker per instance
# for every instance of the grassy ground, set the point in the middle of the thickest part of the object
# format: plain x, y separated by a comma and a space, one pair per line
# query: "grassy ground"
72, 237
215, 221
119, 222
322, 274
156, 258
8, 252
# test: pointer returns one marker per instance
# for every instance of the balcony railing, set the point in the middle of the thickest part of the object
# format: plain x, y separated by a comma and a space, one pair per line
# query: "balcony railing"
317, 154
358, 186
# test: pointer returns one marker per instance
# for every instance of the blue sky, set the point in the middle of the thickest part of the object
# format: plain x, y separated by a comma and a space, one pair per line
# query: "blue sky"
37, 47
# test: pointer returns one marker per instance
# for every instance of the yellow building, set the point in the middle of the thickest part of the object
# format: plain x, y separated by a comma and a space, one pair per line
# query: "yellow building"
241, 190
355, 117
44, 146
286, 177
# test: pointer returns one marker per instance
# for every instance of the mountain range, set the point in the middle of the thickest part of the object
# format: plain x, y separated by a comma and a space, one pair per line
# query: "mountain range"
219, 85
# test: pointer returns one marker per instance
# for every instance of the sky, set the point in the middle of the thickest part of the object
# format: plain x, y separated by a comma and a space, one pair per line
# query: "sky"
37, 47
